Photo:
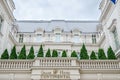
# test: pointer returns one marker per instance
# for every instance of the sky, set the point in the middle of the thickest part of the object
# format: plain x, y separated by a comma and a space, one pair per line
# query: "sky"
57, 9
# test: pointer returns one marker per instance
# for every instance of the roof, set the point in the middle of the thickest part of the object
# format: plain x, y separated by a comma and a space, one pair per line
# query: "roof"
32, 25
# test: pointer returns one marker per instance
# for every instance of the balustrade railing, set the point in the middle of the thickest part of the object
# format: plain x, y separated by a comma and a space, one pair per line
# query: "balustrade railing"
16, 64
55, 62
60, 62
99, 64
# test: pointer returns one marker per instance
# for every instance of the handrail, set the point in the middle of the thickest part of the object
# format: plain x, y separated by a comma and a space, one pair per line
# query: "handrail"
59, 62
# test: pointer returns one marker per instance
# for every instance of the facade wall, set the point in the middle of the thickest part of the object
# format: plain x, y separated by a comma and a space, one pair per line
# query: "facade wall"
110, 19
6, 14
59, 39
60, 68
15, 76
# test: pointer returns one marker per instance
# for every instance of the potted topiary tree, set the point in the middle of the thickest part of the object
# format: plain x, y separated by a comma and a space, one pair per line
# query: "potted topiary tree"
93, 56
48, 54
31, 53
54, 53
13, 54
5, 55
22, 54
64, 54
111, 54
101, 54
73, 54
40, 52
83, 53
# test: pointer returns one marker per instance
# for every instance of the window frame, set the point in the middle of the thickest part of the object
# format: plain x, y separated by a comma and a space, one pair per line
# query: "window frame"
21, 38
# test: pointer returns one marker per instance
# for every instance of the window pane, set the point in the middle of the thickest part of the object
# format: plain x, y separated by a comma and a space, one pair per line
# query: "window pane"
21, 38
57, 39
76, 39
93, 39
39, 38
59, 54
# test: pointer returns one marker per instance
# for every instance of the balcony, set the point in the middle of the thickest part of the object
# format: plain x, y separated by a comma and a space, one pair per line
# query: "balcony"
51, 63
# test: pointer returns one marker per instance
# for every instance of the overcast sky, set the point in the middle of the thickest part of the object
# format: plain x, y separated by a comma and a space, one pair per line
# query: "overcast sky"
57, 9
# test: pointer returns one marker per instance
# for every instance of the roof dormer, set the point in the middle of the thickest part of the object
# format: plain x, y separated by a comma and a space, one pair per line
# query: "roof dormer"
39, 31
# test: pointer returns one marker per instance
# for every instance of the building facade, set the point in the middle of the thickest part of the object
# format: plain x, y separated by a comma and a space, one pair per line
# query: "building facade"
60, 35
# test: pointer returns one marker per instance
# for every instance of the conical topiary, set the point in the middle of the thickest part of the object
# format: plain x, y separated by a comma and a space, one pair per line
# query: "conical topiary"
22, 54
31, 53
73, 54
93, 55
83, 53
5, 55
40, 52
13, 54
48, 54
54, 53
111, 54
101, 54
64, 54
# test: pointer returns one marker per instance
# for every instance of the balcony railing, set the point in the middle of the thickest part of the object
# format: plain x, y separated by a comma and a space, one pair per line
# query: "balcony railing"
59, 62
16, 64
99, 64
54, 62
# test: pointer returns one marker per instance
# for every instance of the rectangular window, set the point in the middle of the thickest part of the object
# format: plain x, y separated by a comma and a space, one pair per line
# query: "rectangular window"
57, 39
36, 53
59, 54
66, 37
76, 38
39, 38
21, 38
93, 39
49, 39
116, 39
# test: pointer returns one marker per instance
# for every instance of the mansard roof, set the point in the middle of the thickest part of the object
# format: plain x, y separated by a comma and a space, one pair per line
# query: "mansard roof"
32, 25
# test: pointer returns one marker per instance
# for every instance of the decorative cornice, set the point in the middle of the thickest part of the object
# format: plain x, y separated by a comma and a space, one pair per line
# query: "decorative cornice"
49, 21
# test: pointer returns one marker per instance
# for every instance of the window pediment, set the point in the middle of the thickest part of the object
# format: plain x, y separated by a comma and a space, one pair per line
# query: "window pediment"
57, 30
39, 31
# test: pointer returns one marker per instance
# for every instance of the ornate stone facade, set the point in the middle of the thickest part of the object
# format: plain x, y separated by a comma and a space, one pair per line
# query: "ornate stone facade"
60, 35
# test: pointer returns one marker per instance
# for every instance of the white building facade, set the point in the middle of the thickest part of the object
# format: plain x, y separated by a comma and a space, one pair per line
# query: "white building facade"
60, 35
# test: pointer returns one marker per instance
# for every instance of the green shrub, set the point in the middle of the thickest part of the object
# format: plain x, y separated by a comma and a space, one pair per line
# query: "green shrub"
111, 54
5, 55
40, 52
48, 54
101, 54
73, 54
22, 54
93, 55
54, 53
31, 53
13, 54
64, 54
83, 53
